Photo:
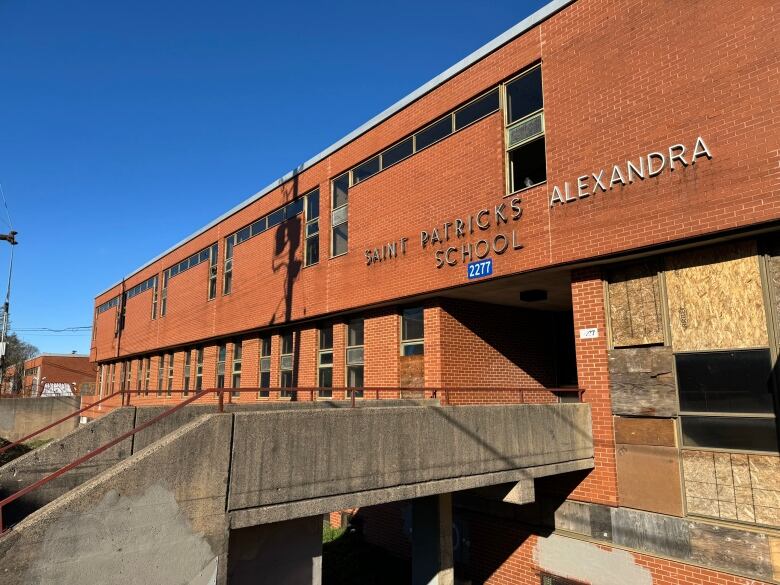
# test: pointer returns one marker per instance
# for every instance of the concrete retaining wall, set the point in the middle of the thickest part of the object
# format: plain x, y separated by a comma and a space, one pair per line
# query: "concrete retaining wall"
21, 416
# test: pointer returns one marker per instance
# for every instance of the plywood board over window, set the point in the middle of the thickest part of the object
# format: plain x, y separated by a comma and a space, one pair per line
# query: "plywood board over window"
774, 280
635, 305
715, 298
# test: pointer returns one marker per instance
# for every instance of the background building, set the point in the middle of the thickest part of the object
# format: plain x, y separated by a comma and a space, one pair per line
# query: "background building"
73, 370
616, 164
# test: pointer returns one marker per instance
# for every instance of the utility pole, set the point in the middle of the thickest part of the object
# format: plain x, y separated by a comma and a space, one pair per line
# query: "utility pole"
10, 237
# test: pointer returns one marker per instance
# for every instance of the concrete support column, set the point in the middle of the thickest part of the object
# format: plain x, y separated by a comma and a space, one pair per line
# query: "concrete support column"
287, 552
432, 556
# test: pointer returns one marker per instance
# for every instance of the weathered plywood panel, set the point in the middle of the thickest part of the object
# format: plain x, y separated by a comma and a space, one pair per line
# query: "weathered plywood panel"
715, 298
412, 371
645, 431
774, 280
642, 381
635, 305
734, 550
651, 533
649, 478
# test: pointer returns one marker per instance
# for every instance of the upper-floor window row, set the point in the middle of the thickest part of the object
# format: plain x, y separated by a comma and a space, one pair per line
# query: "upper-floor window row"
192, 261
268, 221
457, 119
147, 284
110, 304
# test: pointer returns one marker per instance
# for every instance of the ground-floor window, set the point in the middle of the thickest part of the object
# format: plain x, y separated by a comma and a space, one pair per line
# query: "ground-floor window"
286, 364
355, 356
325, 362
265, 367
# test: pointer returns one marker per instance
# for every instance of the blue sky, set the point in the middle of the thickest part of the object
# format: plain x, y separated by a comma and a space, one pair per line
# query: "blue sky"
126, 126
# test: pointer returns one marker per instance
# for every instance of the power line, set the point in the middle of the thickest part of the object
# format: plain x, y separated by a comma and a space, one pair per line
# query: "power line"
53, 330
5, 204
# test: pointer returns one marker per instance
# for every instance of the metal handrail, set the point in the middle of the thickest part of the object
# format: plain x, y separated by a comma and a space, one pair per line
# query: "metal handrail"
55, 423
221, 407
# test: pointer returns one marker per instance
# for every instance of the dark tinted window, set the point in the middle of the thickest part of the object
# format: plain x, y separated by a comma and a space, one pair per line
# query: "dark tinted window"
367, 169
340, 190
477, 109
355, 332
524, 95
325, 378
396, 153
340, 239
243, 234
725, 381
527, 165
276, 218
313, 205
312, 250
412, 324
295, 207
434, 132
287, 343
744, 433
259, 226
326, 338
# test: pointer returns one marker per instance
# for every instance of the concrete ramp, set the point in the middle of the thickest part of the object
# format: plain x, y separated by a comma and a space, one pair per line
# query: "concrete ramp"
165, 514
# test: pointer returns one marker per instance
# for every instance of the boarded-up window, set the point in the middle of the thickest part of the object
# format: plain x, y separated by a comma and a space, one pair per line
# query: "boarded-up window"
774, 280
635, 305
715, 298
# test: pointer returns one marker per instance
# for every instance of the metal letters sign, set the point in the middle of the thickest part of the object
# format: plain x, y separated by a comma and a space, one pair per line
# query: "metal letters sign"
651, 165
479, 269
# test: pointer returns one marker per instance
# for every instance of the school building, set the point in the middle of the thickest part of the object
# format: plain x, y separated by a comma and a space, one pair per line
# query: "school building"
588, 202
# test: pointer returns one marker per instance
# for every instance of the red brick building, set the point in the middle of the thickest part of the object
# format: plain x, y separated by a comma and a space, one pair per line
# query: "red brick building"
590, 200
74, 370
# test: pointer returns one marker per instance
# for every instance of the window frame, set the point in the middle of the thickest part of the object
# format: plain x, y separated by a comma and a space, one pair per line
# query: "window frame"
235, 374
507, 126
322, 351
412, 342
333, 210
311, 221
262, 369
349, 366
220, 365
282, 370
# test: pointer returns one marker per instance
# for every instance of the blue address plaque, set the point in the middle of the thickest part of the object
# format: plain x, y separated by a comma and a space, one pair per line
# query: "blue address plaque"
479, 269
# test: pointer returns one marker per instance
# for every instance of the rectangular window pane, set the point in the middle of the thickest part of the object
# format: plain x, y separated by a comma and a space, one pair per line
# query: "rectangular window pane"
313, 205
326, 358
265, 380
286, 380
325, 378
326, 338
718, 432
276, 218
524, 95
413, 349
527, 166
412, 324
355, 377
259, 226
312, 250
340, 239
355, 332
477, 109
294, 208
287, 343
397, 153
365, 170
725, 381
340, 190
243, 234
432, 133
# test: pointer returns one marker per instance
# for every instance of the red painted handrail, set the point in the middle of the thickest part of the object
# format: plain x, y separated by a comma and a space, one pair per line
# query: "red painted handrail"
220, 407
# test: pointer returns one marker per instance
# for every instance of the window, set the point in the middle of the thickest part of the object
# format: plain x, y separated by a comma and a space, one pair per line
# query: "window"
221, 354
547, 579
111, 379
147, 375
138, 377
455, 120
286, 363
139, 288
110, 304
154, 300
213, 257
164, 295
160, 373
412, 332
433, 133
122, 368
199, 370
311, 254
236, 371
355, 356
227, 276
187, 366
339, 215
169, 385
726, 399
526, 161
325, 362
265, 366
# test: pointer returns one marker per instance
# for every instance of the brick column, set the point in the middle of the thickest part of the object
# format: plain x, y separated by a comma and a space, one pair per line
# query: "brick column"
178, 373
209, 369
306, 361
433, 366
382, 350
587, 291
